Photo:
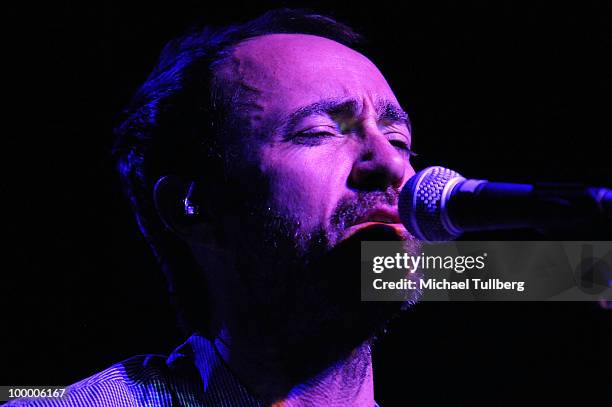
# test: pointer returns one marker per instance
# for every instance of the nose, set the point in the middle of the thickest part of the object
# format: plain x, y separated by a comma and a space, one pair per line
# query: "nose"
379, 164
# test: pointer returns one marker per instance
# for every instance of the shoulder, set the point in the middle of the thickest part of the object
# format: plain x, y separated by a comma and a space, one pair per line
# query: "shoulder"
139, 380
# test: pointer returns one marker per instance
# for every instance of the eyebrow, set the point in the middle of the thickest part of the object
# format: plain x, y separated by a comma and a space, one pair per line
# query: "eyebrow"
385, 111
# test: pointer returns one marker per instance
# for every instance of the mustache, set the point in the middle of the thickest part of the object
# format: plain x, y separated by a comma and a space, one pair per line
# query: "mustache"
350, 209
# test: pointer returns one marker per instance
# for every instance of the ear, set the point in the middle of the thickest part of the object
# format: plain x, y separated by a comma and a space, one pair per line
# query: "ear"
177, 208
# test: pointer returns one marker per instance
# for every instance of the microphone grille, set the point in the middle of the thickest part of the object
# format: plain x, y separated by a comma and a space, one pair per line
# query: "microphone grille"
422, 200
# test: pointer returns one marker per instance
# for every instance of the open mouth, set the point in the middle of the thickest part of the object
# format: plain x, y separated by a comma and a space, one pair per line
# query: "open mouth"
378, 218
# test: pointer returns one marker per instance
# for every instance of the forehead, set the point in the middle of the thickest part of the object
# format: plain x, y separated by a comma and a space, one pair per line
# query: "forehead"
283, 72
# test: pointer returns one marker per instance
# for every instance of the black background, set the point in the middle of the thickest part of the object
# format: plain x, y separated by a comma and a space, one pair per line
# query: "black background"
498, 90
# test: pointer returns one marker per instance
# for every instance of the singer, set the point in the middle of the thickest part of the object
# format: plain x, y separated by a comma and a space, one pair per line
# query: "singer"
254, 157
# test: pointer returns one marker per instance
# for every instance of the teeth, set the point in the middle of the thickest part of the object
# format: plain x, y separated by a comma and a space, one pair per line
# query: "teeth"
380, 219
379, 216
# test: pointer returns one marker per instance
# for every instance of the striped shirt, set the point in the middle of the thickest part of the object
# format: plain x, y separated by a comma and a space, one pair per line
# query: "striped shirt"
193, 375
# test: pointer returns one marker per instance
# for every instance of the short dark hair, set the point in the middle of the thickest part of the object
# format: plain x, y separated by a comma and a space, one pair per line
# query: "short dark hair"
174, 122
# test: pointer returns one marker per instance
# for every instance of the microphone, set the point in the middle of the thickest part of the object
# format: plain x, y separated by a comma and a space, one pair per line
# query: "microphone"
438, 204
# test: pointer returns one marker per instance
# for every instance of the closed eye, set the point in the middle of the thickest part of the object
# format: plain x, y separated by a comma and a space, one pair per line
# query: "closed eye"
318, 134
311, 137
402, 145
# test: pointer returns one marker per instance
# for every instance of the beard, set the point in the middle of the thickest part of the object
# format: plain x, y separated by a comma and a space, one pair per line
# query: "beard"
300, 290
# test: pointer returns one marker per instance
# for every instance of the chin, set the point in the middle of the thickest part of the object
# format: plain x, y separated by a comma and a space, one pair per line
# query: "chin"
336, 276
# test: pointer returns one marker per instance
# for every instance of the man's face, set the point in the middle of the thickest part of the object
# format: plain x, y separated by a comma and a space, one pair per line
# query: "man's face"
322, 148
325, 132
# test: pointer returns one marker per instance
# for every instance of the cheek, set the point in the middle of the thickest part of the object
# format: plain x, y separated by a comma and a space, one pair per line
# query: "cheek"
307, 182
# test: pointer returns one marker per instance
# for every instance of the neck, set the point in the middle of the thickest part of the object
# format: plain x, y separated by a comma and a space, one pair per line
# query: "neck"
347, 381
280, 363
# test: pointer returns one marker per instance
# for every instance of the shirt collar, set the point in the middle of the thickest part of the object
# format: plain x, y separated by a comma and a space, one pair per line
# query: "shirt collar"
219, 385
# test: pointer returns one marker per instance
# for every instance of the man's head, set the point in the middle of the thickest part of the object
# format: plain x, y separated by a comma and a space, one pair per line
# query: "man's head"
322, 126
290, 143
